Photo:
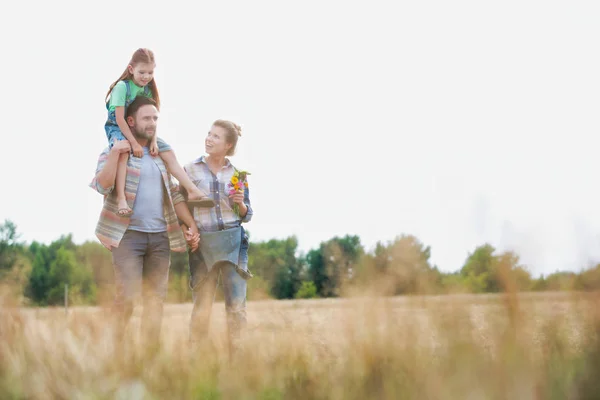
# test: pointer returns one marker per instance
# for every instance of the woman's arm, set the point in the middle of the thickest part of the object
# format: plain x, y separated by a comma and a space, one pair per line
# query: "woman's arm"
243, 201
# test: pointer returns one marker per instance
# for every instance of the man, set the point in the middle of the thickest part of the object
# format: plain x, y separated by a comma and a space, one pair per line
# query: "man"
141, 244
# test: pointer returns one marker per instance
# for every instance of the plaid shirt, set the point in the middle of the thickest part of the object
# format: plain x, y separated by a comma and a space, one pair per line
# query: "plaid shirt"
221, 216
111, 228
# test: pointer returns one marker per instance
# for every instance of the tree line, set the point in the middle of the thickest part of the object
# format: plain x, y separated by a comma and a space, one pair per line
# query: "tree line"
36, 274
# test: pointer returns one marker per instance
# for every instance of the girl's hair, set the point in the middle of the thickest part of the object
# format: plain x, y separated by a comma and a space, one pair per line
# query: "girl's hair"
233, 131
140, 56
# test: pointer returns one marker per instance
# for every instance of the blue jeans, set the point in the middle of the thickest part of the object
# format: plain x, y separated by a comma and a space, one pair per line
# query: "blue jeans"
204, 285
141, 264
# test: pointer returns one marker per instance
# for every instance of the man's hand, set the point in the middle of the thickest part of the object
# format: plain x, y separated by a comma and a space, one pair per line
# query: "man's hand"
121, 146
138, 150
192, 237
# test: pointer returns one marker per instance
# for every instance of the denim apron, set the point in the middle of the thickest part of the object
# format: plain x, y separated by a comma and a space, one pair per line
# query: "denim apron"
223, 246
113, 132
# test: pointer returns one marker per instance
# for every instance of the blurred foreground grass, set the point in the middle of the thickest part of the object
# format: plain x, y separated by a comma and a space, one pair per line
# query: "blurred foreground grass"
530, 346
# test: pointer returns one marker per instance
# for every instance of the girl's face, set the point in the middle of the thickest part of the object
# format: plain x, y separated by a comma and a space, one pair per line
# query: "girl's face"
142, 73
215, 143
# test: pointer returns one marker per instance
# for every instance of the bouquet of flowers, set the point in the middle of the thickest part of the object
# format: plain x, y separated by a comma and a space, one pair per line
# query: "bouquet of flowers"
238, 182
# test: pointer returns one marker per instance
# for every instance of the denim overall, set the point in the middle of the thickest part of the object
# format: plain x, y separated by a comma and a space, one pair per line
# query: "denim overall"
113, 132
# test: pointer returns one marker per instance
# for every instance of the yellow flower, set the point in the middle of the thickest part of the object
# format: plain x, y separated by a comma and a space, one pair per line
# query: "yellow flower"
234, 180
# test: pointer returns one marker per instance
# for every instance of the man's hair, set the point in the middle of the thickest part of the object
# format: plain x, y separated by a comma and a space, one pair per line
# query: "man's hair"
135, 105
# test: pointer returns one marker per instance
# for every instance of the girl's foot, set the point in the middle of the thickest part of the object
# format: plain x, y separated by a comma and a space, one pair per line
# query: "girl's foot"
198, 199
123, 209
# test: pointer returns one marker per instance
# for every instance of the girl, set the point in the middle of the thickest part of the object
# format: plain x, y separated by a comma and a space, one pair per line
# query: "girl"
137, 79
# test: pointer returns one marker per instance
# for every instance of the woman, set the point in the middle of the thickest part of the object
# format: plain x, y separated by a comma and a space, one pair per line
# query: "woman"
222, 248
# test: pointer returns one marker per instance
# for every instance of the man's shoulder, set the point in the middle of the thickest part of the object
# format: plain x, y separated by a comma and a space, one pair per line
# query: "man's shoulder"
160, 163
105, 152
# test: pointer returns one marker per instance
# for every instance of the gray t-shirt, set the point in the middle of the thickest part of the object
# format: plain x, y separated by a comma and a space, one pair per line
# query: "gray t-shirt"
148, 214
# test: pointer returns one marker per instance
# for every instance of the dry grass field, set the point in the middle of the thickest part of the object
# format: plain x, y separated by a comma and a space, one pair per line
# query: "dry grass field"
530, 346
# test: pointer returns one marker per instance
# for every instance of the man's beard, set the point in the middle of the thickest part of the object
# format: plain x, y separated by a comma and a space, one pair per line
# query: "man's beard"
144, 134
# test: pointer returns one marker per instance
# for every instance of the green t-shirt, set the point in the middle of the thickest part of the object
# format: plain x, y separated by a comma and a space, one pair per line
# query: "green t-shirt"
119, 92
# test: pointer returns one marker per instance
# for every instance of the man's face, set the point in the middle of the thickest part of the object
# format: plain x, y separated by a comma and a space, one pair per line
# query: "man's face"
143, 123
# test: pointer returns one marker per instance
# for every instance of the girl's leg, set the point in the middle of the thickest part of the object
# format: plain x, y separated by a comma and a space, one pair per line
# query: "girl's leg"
123, 209
195, 195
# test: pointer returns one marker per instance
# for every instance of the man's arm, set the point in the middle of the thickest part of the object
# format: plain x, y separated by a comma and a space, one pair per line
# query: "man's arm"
176, 195
184, 215
188, 225
106, 171
181, 208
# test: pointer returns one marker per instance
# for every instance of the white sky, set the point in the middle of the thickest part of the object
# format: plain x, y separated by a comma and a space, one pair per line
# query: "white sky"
457, 121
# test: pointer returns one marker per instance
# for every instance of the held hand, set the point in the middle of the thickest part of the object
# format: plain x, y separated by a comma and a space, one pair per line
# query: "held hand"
192, 237
138, 150
193, 241
237, 198
121, 146
153, 149
194, 230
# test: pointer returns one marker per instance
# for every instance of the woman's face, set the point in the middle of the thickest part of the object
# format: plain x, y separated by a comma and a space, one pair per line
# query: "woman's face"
215, 143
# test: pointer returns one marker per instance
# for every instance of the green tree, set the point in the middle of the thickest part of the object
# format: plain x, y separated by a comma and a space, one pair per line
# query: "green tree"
402, 267
39, 280
94, 257
61, 272
334, 264
79, 278
53, 267
179, 290
275, 261
316, 268
557, 281
485, 272
479, 269
10, 247
307, 290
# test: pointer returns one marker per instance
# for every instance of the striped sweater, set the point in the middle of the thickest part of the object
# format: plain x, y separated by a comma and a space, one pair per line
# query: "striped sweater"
111, 227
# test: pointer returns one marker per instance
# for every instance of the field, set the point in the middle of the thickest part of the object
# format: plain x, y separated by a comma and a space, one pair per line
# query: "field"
531, 346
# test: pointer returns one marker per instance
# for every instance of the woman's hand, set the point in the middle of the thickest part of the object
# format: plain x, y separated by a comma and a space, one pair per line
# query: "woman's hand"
192, 236
238, 198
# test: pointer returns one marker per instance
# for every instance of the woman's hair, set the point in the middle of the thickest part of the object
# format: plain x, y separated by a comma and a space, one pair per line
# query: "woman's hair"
233, 131
140, 56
